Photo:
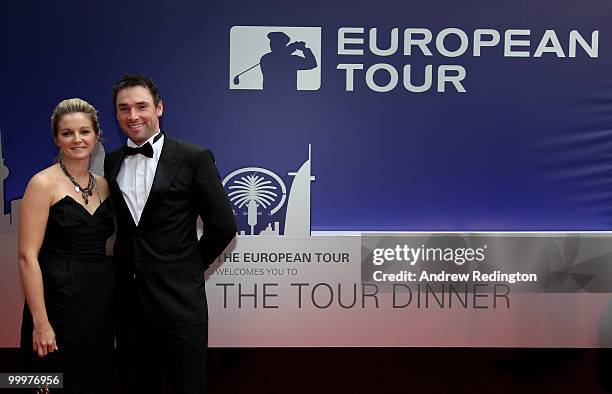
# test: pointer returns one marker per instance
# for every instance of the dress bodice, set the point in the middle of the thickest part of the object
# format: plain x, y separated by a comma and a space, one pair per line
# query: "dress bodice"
73, 231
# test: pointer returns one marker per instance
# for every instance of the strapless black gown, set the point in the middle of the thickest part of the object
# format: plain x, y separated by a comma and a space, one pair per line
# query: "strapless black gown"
79, 287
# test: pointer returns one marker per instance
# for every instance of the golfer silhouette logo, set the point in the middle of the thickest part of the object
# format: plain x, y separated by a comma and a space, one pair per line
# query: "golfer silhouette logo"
275, 58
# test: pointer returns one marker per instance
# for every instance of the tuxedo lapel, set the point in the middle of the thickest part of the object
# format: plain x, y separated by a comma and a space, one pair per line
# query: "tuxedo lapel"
121, 208
115, 166
167, 168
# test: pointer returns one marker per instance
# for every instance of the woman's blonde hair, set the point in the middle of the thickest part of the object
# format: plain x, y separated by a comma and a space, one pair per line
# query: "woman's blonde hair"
70, 106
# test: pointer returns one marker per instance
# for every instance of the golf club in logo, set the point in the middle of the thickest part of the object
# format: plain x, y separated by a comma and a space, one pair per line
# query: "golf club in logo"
275, 58
257, 196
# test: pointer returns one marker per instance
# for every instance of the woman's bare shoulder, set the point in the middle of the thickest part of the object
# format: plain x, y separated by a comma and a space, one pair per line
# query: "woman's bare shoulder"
43, 185
45, 178
102, 185
100, 181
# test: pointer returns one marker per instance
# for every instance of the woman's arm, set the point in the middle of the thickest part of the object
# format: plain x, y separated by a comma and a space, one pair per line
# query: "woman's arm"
33, 217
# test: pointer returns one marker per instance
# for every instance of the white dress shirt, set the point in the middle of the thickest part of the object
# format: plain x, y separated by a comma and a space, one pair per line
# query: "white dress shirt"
136, 176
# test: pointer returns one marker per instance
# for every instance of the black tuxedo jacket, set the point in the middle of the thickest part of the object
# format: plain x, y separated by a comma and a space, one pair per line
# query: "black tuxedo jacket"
160, 261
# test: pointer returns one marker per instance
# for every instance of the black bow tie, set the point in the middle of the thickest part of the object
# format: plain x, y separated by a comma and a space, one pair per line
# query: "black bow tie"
145, 150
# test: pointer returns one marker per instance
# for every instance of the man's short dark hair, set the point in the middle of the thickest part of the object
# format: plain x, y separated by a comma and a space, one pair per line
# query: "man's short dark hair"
131, 80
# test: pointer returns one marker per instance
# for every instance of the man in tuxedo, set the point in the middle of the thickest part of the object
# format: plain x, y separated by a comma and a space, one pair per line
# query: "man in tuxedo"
159, 186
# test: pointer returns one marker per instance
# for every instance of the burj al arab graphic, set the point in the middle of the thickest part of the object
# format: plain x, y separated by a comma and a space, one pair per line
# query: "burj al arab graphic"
253, 190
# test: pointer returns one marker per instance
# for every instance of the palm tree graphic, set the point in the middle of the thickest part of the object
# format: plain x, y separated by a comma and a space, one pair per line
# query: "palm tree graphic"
253, 191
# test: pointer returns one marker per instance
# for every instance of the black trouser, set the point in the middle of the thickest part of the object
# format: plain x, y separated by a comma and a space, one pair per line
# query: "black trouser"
150, 355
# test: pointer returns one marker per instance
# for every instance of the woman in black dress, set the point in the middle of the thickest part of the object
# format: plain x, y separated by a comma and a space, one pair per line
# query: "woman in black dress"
66, 219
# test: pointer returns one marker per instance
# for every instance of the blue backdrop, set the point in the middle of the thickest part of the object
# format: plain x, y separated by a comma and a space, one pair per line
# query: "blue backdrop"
527, 147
